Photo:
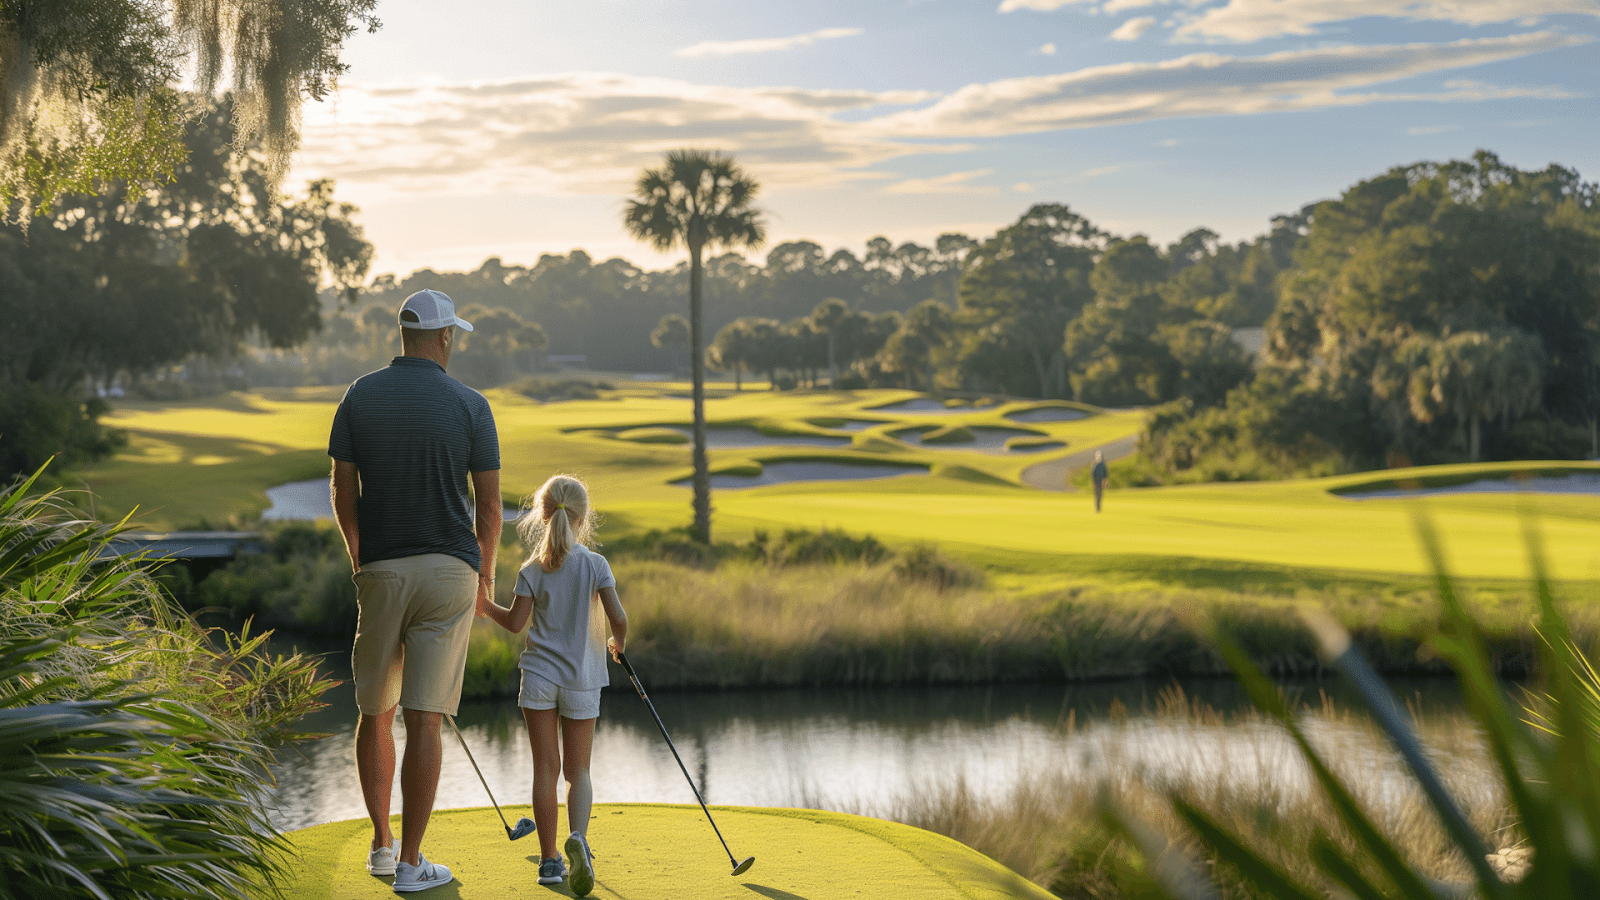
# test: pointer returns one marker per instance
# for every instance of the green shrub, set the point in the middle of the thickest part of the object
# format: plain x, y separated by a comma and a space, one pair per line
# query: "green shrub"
924, 564
132, 748
300, 581
548, 390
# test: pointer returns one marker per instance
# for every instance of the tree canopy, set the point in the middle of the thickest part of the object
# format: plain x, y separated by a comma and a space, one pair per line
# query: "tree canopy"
1438, 311
90, 90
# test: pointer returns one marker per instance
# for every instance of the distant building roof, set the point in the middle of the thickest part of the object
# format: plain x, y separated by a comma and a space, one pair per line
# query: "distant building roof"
1251, 339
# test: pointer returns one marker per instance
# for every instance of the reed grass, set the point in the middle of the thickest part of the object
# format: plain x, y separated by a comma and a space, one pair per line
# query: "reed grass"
1049, 828
744, 623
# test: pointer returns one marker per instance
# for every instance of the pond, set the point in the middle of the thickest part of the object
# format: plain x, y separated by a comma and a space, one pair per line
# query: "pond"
304, 501
850, 749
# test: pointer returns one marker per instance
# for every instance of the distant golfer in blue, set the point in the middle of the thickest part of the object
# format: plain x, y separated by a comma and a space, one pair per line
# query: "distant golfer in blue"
407, 442
1098, 476
565, 596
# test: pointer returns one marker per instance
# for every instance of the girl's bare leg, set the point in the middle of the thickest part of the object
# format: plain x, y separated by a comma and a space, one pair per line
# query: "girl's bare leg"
577, 739
544, 741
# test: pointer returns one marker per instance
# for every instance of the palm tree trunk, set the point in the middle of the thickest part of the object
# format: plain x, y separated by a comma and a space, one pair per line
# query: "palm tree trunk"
833, 370
697, 373
1476, 441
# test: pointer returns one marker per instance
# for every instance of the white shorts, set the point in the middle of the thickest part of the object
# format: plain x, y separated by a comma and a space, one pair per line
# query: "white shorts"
540, 693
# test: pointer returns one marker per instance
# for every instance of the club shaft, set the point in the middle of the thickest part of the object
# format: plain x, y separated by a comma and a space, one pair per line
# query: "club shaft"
475, 768
634, 677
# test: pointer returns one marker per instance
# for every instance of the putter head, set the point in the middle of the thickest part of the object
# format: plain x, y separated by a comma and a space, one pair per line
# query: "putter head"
522, 829
744, 867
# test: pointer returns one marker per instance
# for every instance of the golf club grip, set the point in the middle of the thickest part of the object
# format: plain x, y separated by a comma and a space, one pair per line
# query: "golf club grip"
626, 666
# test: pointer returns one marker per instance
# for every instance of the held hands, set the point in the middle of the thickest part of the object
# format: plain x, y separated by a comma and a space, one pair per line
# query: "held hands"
485, 597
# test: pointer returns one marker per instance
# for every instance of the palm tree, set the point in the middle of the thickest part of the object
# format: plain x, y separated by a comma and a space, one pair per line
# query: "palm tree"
696, 198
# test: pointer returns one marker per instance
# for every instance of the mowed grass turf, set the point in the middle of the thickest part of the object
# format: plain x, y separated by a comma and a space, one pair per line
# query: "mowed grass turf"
211, 460
665, 852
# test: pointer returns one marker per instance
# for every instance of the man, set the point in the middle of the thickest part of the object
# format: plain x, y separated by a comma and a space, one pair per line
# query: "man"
1098, 476
406, 440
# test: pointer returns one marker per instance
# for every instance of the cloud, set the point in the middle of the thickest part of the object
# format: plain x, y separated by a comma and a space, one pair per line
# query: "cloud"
953, 183
1243, 21
1047, 50
1420, 130
1133, 29
591, 133
586, 132
765, 45
1116, 6
1103, 171
1037, 5
1208, 84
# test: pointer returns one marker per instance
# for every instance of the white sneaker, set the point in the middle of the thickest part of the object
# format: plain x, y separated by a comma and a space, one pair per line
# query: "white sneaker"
421, 876
582, 877
381, 860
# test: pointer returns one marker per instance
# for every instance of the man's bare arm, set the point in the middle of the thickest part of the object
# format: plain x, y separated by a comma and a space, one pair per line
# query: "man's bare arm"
343, 489
487, 524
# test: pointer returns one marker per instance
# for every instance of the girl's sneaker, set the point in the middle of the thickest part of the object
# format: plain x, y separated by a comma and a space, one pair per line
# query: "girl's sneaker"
552, 871
381, 860
582, 864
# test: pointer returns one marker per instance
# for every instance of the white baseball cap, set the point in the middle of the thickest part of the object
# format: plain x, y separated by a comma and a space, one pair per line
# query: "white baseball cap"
430, 310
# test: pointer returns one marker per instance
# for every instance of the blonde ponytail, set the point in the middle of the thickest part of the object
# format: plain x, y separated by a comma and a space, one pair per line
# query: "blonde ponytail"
557, 519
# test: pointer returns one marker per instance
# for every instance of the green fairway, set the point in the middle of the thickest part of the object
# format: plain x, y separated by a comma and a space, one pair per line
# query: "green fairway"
667, 852
210, 462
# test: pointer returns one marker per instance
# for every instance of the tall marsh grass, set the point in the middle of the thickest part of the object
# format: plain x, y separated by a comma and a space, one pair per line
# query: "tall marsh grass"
1049, 827
904, 620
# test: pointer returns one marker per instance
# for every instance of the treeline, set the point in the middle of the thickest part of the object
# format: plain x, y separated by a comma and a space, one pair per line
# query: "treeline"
1439, 312
1149, 323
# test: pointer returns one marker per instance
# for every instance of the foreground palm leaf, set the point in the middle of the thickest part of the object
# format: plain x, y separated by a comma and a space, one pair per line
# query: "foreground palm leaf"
1549, 769
132, 750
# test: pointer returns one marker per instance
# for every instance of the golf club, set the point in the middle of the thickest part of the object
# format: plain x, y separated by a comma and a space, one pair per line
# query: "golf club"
739, 868
525, 825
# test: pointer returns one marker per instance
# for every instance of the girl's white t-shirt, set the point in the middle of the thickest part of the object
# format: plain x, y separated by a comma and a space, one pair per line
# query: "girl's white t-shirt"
567, 630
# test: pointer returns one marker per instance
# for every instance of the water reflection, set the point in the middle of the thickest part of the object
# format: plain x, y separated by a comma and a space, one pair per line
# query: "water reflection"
856, 749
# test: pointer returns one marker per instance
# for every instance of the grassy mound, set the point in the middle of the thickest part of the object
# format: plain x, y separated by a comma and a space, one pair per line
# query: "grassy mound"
665, 852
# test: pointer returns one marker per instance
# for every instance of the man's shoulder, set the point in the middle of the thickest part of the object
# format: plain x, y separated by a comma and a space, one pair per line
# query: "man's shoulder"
470, 395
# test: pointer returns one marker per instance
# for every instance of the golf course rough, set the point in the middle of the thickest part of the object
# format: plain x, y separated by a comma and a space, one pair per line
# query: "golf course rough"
665, 852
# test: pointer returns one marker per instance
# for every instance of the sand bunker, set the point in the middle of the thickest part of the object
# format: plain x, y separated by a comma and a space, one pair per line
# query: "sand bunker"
735, 438
1544, 484
923, 405
1047, 414
984, 440
809, 470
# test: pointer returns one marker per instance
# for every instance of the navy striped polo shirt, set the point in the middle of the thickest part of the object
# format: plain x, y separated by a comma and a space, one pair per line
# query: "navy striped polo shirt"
415, 434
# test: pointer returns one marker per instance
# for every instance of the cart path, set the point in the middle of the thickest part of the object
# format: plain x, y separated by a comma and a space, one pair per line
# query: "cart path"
1052, 475
665, 852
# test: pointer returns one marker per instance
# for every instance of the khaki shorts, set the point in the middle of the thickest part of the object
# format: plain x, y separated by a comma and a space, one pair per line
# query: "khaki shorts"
411, 635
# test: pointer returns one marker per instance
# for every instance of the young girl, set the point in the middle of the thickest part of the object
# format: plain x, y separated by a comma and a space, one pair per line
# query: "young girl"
562, 588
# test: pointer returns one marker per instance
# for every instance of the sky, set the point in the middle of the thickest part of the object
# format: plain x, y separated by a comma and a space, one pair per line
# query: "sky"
512, 128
